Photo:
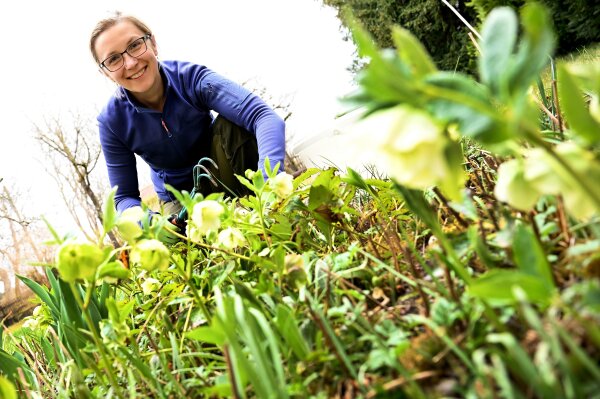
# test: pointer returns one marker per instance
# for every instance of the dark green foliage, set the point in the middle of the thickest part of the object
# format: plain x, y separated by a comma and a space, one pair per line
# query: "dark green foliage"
576, 22
444, 36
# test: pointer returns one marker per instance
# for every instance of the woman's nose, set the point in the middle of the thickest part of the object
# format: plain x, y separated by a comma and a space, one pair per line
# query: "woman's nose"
129, 60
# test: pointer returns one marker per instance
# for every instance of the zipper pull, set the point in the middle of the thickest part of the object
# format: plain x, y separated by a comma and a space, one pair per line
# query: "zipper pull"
164, 125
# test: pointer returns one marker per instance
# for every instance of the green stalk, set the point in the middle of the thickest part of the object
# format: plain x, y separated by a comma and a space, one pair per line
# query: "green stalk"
97, 341
195, 293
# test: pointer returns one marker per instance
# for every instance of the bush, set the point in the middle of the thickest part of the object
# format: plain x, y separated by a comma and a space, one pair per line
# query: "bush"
433, 23
576, 21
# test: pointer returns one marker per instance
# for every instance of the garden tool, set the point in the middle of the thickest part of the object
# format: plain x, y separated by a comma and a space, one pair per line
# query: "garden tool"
200, 171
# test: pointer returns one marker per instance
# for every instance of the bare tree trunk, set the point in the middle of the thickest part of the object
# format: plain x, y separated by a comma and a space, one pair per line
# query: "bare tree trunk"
79, 151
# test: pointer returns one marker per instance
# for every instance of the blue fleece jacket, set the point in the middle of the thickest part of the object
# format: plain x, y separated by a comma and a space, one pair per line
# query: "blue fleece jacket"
172, 141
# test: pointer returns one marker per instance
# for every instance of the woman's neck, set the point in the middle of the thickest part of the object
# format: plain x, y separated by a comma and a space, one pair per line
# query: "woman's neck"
153, 98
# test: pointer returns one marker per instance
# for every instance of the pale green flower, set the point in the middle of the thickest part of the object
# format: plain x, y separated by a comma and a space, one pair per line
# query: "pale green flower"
282, 184
418, 152
521, 182
128, 223
231, 238
577, 202
206, 216
513, 188
150, 255
150, 285
78, 261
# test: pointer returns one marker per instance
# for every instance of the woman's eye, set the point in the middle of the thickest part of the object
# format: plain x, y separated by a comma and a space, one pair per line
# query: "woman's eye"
113, 60
135, 45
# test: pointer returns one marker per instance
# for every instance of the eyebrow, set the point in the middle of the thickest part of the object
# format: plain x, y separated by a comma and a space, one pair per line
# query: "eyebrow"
133, 39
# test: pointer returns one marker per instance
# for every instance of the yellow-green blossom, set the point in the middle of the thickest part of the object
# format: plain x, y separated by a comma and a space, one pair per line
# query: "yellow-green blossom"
418, 151
128, 223
521, 182
78, 261
150, 285
282, 184
513, 188
206, 216
150, 255
231, 238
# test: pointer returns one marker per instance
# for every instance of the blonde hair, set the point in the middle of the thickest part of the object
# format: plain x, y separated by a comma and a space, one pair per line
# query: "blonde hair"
111, 21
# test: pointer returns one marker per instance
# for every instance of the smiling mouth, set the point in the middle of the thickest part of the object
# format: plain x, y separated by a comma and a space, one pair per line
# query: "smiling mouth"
138, 74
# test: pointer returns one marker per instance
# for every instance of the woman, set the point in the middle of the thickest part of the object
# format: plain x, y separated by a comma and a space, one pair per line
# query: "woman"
162, 112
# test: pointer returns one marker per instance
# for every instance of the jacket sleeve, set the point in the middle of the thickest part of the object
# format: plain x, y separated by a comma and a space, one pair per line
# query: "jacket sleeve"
247, 110
122, 171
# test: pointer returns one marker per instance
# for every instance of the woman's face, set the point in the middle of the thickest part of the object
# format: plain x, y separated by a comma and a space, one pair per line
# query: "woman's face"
139, 74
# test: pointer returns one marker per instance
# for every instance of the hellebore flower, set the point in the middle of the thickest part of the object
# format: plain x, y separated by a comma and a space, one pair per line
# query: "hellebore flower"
231, 238
513, 188
150, 285
128, 223
150, 255
418, 150
78, 261
282, 185
206, 216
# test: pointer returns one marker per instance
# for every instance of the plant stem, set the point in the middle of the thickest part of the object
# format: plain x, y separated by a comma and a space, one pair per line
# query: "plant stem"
97, 341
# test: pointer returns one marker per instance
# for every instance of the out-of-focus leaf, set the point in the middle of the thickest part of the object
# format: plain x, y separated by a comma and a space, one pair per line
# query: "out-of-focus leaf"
459, 99
288, 328
496, 287
576, 110
529, 255
109, 217
7, 389
535, 49
412, 52
499, 34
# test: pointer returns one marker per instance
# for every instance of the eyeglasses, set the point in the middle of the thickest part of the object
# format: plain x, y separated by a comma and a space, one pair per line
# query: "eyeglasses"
135, 49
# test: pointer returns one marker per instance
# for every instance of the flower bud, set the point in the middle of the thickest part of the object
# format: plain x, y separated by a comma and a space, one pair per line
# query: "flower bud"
78, 261
150, 255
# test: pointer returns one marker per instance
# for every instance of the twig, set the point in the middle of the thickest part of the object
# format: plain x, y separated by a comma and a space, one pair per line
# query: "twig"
475, 43
562, 220
455, 11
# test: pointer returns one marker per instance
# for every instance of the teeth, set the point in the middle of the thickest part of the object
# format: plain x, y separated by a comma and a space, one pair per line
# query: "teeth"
137, 75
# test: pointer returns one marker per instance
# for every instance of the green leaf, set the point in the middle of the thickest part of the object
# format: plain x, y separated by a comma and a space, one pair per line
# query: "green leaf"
41, 293
412, 52
499, 35
529, 255
288, 328
7, 389
209, 334
521, 365
487, 257
534, 51
109, 217
458, 98
496, 286
114, 270
576, 110
10, 364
